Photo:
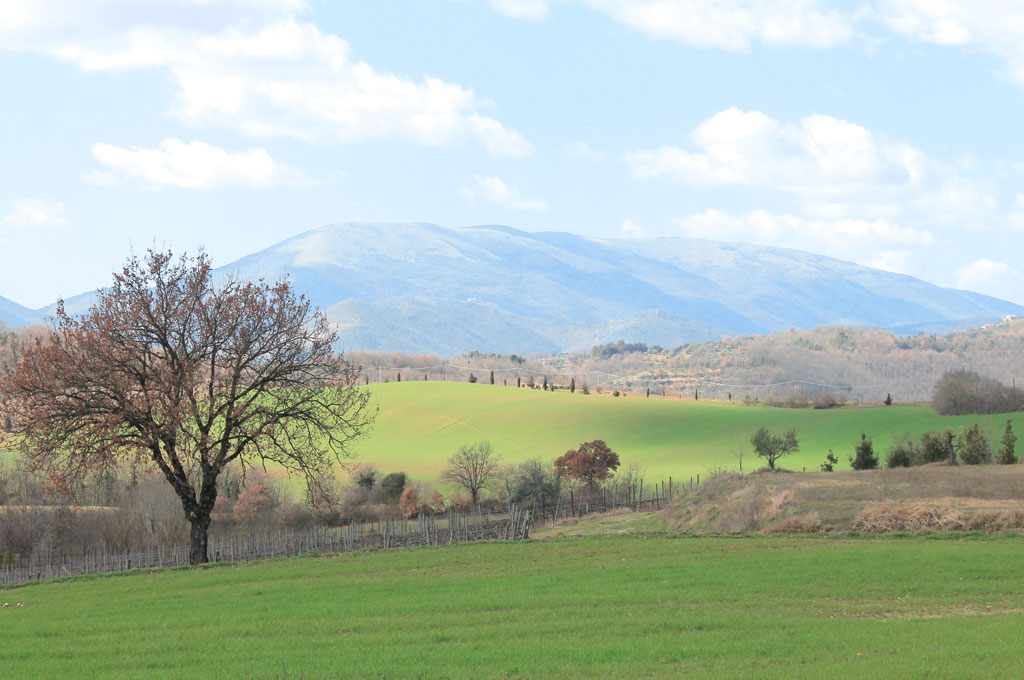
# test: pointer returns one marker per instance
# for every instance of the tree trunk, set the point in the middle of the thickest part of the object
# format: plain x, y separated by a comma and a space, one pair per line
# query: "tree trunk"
197, 553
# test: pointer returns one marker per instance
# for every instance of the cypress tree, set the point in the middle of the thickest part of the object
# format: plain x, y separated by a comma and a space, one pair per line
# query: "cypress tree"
572, 385
1007, 455
492, 377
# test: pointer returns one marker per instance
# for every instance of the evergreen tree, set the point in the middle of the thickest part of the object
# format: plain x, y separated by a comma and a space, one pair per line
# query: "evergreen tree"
864, 455
399, 378
585, 389
545, 383
492, 377
472, 378
648, 392
831, 460
974, 448
888, 399
519, 381
1007, 455
572, 386
424, 376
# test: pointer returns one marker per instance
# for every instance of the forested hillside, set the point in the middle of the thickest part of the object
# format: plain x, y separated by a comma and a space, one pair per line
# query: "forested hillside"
850, 364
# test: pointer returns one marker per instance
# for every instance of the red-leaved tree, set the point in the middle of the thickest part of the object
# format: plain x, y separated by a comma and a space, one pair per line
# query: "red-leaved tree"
592, 463
170, 370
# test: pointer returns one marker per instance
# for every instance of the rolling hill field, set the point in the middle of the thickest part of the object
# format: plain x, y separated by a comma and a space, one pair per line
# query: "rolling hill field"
422, 423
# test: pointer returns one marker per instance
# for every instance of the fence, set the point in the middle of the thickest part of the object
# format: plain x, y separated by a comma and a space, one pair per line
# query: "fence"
451, 527
578, 502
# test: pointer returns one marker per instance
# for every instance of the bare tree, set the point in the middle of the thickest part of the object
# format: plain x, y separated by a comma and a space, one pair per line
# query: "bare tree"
472, 468
165, 369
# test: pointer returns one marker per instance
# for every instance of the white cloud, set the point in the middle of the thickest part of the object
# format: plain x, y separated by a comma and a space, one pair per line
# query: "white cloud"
530, 10
495, 190
267, 74
874, 243
835, 167
997, 279
582, 151
631, 229
736, 24
192, 165
43, 25
1016, 218
993, 25
33, 213
498, 140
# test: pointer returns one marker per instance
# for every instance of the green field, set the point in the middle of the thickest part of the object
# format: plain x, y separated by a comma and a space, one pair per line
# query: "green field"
632, 606
422, 423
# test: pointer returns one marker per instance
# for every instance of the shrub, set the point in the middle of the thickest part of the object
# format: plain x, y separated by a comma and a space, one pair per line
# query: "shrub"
437, 503
864, 455
462, 503
995, 521
393, 485
1007, 455
366, 477
974, 448
256, 501
409, 503
901, 453
884, 518
805, 524
831, 460
935, 448
823, 400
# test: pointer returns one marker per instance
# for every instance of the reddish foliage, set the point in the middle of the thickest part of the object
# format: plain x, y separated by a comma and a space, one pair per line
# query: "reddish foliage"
169, 370
591, 464
254, 502
409, 503
437, 503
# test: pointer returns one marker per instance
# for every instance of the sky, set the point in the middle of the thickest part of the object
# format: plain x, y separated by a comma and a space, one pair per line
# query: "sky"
885, 132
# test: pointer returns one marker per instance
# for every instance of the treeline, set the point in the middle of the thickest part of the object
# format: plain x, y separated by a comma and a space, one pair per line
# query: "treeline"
121, 510
966, 392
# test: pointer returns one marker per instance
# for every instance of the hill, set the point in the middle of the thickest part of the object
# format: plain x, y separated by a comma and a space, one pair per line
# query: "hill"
422, 423
418, 287
14, 315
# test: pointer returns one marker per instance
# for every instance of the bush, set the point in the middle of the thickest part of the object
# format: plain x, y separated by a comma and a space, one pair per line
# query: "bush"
935, 447
409, 504
884, 518
823, 400
831, 460
805, 524
901, 453
864, 455
1007, 455
392, 486
974, 448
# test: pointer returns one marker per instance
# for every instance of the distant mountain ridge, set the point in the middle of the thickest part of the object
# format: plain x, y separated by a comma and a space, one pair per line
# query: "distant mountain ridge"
14, 315
420, 287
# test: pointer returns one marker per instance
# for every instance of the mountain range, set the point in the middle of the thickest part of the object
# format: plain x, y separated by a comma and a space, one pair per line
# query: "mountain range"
419, 287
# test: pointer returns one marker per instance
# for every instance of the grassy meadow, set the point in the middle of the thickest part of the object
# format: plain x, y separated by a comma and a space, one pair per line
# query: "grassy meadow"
638, 606
422, 423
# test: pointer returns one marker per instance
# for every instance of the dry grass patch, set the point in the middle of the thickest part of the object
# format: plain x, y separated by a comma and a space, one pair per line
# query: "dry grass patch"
928, 498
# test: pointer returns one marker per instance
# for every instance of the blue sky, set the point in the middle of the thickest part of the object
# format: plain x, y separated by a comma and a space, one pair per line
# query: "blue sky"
887, 132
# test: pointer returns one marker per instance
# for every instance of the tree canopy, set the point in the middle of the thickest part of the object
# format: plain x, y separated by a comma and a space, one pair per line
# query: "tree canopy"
771, 446
592, 463
166, 369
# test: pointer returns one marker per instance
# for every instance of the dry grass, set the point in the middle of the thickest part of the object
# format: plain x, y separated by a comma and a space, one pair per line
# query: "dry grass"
928, 498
